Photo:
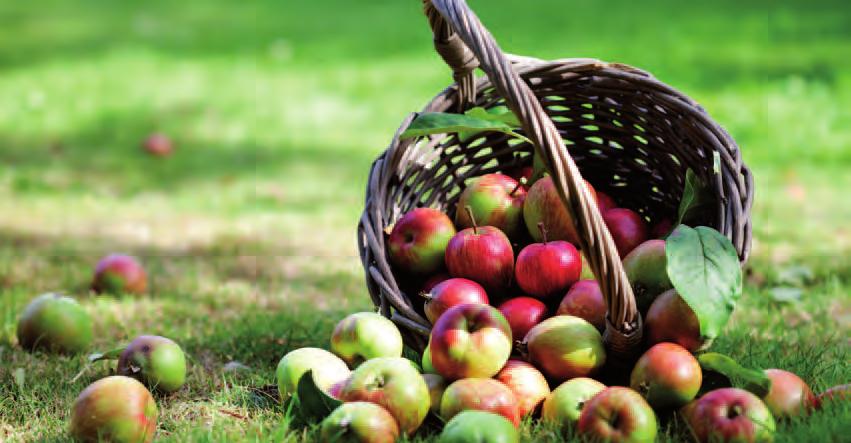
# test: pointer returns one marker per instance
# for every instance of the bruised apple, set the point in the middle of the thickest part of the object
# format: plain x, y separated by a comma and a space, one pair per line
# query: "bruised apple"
156, 361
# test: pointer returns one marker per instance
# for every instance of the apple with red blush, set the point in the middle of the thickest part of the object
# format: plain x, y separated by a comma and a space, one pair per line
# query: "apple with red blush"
671, 319
729, 415
789, 395
585, 300
667, 376
479, 394
417, 242
628, 229
543, 205
548, 268
452, 292
471, 340
529, 385
523, 313
617, 414
494, 200
482, 254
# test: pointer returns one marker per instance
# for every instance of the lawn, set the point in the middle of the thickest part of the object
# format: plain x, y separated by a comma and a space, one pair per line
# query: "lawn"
277, 110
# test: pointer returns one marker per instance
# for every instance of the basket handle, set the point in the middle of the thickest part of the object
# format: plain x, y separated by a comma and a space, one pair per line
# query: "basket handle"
464, 43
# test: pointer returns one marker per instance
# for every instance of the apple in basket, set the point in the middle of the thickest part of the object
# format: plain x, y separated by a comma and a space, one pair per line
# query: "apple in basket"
585, 300
452, 292
548, 268
729, 414
671, 319
604, 202
365, 335
494, 200
564, 347
543, 205
418, 241
528, 384
470, 340
523, 313
436, 386
360, 421
482, 254
618, 414
628, 229
480, 394
646, 270
54, 322
667, 375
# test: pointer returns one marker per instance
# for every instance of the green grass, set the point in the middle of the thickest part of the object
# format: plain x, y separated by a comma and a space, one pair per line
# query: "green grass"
278, 108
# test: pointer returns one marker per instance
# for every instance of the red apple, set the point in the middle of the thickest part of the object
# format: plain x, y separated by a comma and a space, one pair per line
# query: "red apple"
564, 347
671, 319
585, 300
117, 273
667, 375
527, 383
479, 394
628, 229
361, 422
617, 414
114, 408
548, 268
494, 200
662, 228
418, 241
470, 340
453, 292
393, 383
729, 415
482, 254
834, 394
543, 205
646, 269
604, 202
158, 145
564, 405
522, 314
789, 396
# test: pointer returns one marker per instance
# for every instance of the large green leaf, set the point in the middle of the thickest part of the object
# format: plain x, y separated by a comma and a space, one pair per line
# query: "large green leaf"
696, 197
428, 123
704, 268
753, 380
313, 403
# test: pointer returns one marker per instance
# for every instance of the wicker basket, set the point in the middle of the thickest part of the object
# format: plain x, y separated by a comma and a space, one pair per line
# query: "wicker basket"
632, 137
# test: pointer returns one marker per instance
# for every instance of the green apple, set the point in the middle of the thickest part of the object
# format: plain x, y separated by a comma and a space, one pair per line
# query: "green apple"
365, 335
479, 427
359, 422
393, 383
646, 269
55, 323
156, 361
564, 404
428, 368
327, 368
117, 409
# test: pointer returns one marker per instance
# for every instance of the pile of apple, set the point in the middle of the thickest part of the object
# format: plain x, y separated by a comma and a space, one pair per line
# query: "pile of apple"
540, 350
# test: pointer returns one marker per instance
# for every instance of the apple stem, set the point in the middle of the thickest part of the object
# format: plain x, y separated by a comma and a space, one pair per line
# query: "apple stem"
543, 231
520, 183
426, 295
472, 219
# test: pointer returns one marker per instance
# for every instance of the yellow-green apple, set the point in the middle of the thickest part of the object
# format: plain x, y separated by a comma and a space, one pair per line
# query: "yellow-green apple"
667, 375
470, 340
118, 273
789, 395
484, 255
480, 394
564, 404
617, 414
834, 394
646, 269
158, 145
543, 205
585, 300
548, 268
671, 319
494, 200
526, 382
523, 313
479, 427
452, 292
365, 335
394, 384
359, 422
564, 347
115, 408
328, 369
729, 415
427, 366
418, 241
54, 322
436, 386
628, 229
155, 361
604, 202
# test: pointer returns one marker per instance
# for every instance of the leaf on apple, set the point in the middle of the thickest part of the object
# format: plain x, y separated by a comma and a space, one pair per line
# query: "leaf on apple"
696, 198
704, 268
427, 123
752, 380
108, 355
313, 402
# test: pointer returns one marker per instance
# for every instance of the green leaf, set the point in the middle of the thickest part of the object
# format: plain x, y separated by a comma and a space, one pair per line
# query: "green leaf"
704, 268
753, 380
497, 113
313, 402
696, 198
428, 123
108, 355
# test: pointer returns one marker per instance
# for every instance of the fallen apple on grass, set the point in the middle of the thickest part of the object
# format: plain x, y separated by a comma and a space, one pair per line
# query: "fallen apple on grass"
158, 145
564, 405
628, 229
479, 427
328, 369
115, 408
729, 415
523, 313
482, 254
452, 292
646, 271
789, 395
618, 414
418, 241
564, 347
360, 422
479, 394
53, 322
365, 335
667, 376
156, 361
118, 274
671, 319
548, 268
394, 384
529, 386
494, 200
585, 300
470, 340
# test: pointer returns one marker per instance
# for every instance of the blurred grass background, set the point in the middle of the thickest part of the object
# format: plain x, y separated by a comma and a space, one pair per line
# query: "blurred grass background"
277, 110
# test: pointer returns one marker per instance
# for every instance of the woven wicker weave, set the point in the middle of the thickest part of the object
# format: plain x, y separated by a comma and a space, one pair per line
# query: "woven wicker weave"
632, 137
